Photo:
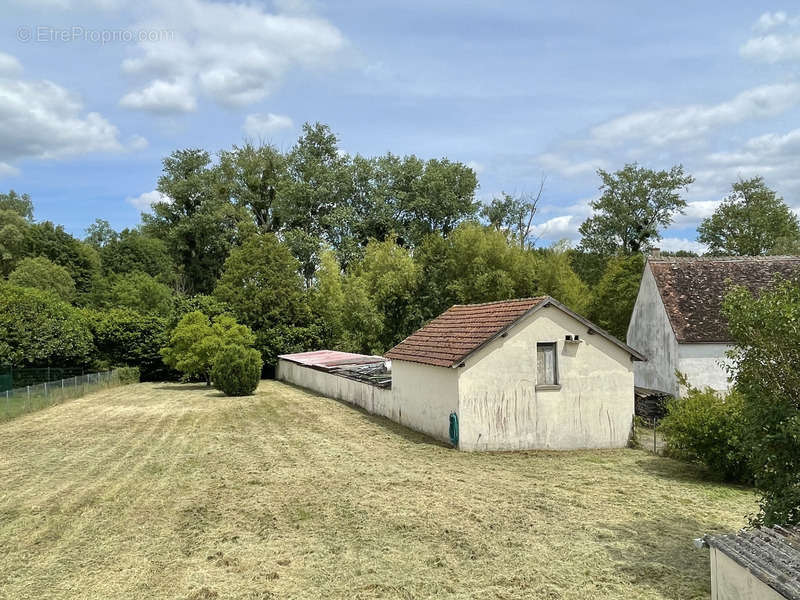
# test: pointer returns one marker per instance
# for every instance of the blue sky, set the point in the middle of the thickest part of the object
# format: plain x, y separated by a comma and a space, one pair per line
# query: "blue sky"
519, 90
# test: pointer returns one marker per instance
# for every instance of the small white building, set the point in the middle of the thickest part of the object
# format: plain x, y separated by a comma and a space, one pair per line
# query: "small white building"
517, 374
677, 320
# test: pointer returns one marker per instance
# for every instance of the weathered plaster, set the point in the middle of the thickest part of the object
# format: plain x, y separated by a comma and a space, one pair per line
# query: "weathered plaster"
501, 409
731, 581
704, 365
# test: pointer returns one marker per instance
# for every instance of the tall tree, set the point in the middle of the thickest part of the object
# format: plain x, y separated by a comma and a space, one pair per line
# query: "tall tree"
198, 223
751, 221
514, 216
634, 205
16, 203
45, 275
615, 294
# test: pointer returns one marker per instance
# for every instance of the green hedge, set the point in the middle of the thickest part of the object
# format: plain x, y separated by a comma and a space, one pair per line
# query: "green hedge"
237, 370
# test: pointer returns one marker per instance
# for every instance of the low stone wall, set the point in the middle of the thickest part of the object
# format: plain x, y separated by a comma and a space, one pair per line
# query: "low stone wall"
375, 400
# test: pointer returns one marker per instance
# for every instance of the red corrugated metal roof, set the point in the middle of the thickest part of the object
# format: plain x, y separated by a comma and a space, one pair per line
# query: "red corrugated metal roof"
328, 359
459, 331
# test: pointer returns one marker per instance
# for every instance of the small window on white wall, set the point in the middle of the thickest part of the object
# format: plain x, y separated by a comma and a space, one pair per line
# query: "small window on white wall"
546, 364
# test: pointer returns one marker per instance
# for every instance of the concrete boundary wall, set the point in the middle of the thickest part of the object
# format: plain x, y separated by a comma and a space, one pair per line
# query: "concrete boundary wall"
375, 400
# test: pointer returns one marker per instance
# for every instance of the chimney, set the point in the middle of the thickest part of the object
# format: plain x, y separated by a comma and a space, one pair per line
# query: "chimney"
655, 253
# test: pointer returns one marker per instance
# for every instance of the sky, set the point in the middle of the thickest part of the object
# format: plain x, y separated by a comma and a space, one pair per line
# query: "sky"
94, 93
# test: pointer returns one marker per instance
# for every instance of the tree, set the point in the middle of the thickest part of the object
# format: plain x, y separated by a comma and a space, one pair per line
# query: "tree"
751, 221
513, 216
197, 221
473, 264
635, 203
196, 341
133, 250
13, 240
557, 279
142, 293
615, 294
40, 330
45, 275
124, 337
261, 284
19, 205
52, 242
766, 333
100, 233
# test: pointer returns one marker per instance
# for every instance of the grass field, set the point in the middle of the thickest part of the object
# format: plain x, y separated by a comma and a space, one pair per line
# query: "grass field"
172, 491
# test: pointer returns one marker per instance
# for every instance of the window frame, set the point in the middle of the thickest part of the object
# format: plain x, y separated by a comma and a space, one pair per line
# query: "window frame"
556, 375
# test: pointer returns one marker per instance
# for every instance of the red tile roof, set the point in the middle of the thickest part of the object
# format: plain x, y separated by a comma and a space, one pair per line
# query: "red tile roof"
692, 289
459, 331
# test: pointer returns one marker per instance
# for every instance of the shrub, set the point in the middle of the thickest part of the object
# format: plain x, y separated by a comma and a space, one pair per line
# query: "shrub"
707, 427
128, 375
237, 370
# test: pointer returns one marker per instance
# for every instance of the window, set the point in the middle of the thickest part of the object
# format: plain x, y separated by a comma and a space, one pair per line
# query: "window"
546, 364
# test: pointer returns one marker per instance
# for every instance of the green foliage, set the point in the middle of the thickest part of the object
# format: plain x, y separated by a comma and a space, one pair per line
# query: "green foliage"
44, 275
557, 279
196, 340
124, 337
52, 242
19, 205
766, 332
100, 233
132, 250
513, 216
707, 427
142, 293
13, 240
199, 225
635, 203
753, 220
128, 375
473, 264
41, 330
615, 294
237, 370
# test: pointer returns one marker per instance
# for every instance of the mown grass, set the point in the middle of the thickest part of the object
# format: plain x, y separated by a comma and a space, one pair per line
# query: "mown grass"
172, 491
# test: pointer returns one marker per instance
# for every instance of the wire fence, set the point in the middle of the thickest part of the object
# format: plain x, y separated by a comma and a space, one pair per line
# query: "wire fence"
22, 400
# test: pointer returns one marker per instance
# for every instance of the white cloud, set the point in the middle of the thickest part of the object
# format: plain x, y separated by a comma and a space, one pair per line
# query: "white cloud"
775, 46
262, 125
7, 170
558, 228
237, 54
41, 119
667, 125
9, 65
145, 201
161, 97
563, 166
476, 166
673, 244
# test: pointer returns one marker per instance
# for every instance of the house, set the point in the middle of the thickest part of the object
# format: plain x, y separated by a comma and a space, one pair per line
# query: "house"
517, 374
756, 564
510, 375
677, 320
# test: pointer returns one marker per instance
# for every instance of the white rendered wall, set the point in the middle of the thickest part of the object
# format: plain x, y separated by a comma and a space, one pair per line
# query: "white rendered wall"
703, 365
375, 400
425, 396
501, 409
650, 332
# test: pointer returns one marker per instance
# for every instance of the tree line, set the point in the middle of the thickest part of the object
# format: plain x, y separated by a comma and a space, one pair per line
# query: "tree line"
313, 247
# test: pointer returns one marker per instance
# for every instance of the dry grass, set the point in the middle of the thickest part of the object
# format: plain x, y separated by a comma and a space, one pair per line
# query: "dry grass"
170, 491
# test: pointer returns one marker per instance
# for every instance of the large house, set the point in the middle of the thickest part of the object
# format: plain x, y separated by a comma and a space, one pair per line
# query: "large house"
677, 320
509, 375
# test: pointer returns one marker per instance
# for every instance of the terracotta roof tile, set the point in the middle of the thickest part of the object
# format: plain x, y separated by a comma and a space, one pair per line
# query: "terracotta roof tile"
459, 331
693, 289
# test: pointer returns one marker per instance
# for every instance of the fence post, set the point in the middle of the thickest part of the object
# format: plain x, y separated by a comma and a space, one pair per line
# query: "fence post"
28, 401
45, 387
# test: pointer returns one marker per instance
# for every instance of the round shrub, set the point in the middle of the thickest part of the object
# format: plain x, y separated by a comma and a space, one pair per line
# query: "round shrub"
237, 370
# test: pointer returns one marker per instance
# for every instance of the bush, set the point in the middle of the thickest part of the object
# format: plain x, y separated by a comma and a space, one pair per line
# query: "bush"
707, 427
128, 375
237, 370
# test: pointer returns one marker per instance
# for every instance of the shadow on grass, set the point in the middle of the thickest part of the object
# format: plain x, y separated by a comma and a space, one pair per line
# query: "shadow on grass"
658, 553
402, 431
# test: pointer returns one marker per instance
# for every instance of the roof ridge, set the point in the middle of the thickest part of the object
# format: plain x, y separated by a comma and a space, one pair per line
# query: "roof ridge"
721, 258
528, 299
